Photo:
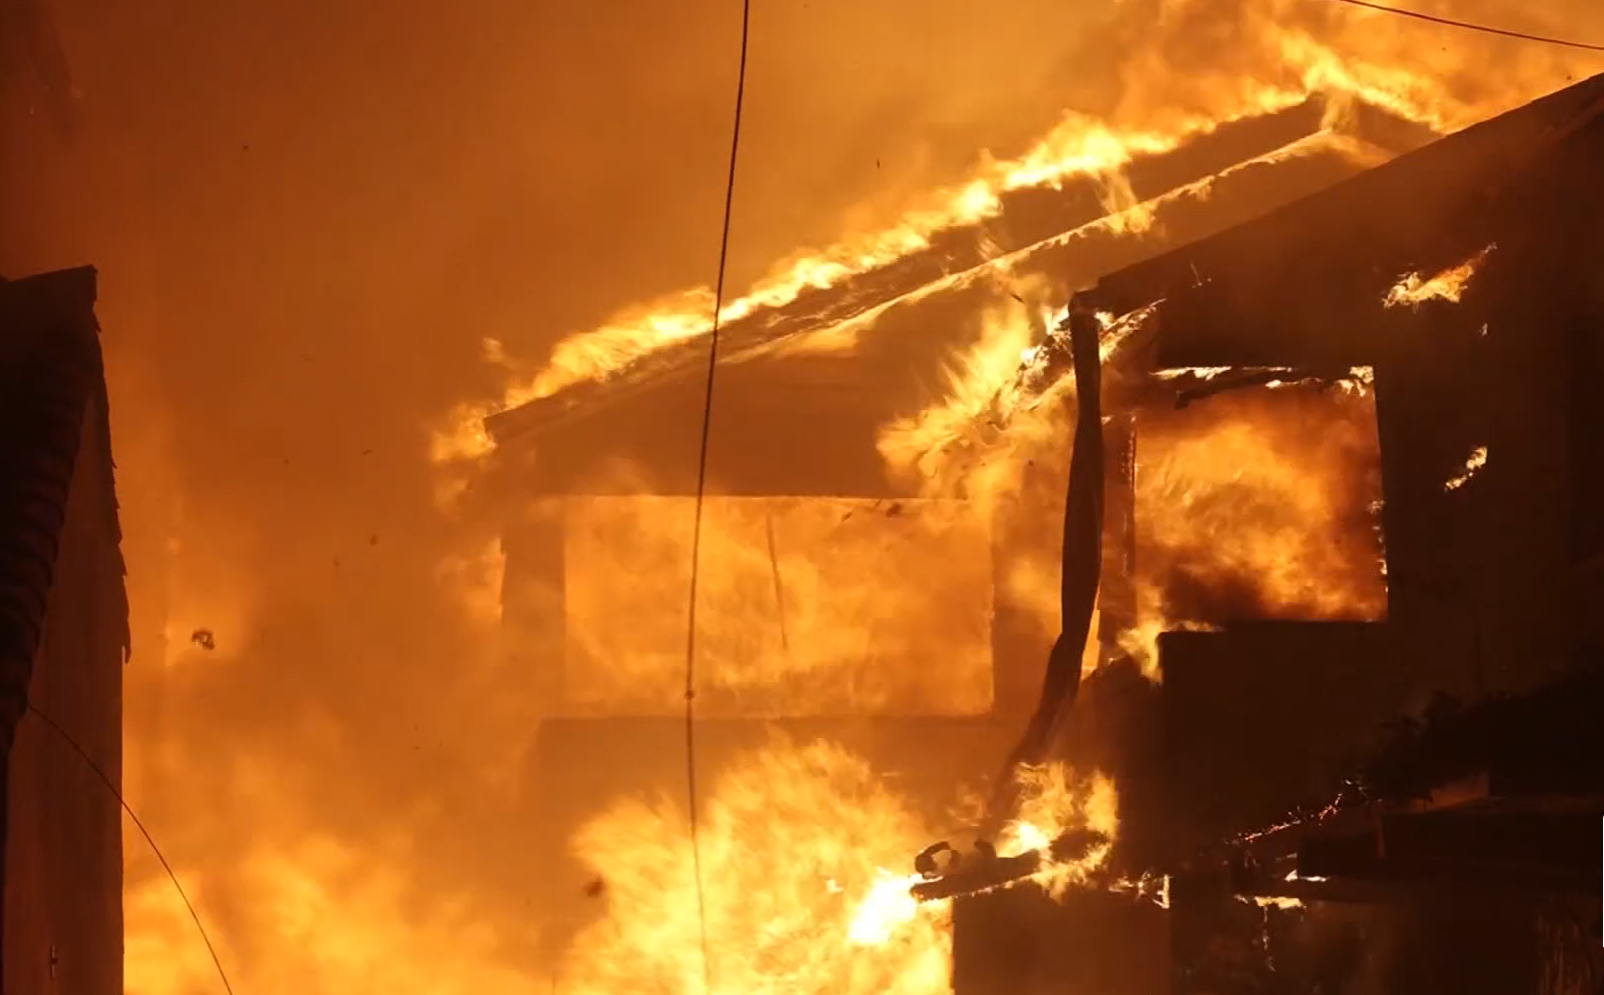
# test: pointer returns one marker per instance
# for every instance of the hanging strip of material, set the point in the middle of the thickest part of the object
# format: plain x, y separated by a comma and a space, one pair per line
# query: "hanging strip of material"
1082, 562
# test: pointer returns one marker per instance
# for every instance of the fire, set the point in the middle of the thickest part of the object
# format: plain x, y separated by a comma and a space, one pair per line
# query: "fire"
1412, 290
1281, 54
808, 607
322, 918
1239, 516
1473, 465
976, 413
1274, 902
1053, 802
779, 826
476, 581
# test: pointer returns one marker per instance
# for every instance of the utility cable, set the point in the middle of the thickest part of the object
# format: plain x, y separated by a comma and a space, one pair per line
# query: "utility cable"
1469, 26
701, 497
168, 868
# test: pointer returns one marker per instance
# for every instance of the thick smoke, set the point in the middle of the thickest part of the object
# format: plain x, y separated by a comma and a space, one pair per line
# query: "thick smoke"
307, 216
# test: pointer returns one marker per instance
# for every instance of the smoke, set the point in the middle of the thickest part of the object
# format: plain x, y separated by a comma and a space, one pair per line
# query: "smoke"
307, 216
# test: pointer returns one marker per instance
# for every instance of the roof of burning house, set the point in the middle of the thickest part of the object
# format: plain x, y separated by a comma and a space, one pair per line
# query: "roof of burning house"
1054, 227
1282, 290
50, 372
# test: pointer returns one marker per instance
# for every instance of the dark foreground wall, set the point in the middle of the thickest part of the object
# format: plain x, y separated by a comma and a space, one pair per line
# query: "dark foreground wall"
64, 619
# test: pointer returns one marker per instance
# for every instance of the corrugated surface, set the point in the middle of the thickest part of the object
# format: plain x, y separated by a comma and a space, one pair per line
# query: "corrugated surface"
51, 368
63, 636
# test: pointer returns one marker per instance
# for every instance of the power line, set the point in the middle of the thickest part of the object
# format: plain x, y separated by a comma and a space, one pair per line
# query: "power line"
123, 802
701, 496
1469, 26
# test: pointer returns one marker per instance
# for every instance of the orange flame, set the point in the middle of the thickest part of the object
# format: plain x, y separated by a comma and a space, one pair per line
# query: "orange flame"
1281, 56
1412, 290
808, 611
795, 843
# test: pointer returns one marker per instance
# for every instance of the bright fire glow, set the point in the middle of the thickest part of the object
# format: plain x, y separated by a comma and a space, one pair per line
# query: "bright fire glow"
1239, 516
808, 607
796, 843
1052, 802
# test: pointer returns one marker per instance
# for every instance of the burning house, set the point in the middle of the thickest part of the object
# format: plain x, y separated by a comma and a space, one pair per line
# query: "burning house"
1457, 278
878, 570
65, 638
1342, 468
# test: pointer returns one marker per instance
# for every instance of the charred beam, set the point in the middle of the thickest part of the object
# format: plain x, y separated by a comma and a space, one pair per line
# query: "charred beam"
1542, 850
984, 870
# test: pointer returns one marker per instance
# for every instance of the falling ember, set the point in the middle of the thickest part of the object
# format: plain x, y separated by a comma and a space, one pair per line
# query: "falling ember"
1473, 465
1412, 290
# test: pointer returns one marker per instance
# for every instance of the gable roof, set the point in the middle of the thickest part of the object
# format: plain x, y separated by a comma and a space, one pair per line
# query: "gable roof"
1031, 217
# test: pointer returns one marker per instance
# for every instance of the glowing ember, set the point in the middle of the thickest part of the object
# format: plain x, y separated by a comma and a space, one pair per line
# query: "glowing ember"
1477, 460
1412, 290
1268, 902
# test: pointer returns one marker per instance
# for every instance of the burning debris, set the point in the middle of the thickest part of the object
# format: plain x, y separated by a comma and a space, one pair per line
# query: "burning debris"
1473, 465
1412, 290
983, 870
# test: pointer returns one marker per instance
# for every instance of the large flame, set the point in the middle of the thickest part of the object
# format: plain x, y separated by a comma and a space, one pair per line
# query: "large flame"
1240, 516
1280, 54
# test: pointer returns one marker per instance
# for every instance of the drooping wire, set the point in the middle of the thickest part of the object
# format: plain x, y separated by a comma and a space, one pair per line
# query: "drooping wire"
701, 496
1470, 26
172, 875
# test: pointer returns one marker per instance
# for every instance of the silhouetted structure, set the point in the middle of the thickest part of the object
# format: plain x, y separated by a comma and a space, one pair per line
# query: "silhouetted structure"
1490, 582
1493, 587
63, 641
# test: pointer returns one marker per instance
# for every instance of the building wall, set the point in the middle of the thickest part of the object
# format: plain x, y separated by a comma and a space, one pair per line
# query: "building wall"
63, 887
